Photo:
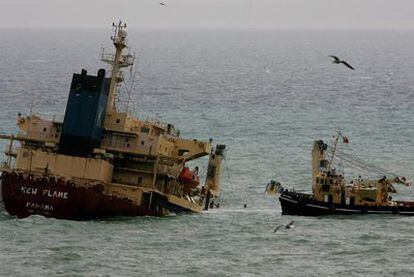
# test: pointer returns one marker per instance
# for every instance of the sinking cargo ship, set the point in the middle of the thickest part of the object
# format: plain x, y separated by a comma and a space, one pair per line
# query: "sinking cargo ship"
101, 162
333, 194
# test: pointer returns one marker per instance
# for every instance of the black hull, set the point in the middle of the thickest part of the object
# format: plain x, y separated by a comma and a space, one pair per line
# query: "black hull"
295, 203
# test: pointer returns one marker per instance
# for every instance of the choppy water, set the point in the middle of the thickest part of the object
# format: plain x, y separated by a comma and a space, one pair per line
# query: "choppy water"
266, 95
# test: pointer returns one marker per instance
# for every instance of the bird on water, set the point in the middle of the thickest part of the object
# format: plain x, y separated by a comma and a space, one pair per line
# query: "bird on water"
338, 61
287, 226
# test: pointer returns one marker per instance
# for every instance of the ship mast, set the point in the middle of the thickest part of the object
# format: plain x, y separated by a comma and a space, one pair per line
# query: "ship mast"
117, 61
334, 150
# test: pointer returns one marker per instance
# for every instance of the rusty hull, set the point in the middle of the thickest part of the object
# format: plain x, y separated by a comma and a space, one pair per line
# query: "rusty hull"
25, 195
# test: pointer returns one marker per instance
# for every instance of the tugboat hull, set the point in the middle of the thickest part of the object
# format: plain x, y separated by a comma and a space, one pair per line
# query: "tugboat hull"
295, 203
50, 197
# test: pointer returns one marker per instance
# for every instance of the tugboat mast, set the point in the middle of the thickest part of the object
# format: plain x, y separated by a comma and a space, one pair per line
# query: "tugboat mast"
117, 61
334, 150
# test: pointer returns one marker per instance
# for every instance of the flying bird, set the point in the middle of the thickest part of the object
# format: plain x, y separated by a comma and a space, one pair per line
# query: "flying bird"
337, 60
287, 226
163, 4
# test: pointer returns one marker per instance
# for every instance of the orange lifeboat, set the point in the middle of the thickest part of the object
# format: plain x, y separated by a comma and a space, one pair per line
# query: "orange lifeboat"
189, 178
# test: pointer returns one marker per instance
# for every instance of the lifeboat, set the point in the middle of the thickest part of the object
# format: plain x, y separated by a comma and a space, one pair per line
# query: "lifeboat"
189, 178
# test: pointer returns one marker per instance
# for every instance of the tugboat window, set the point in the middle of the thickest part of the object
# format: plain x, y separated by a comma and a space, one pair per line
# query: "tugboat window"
326, 188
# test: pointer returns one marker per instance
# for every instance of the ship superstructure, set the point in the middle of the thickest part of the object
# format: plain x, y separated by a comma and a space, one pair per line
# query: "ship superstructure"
333, 194
102, 162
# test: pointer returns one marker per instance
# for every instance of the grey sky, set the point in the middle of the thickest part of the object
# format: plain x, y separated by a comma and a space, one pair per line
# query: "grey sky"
380, 14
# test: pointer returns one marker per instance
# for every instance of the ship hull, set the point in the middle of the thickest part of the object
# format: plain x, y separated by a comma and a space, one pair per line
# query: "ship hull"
25, 195
295, 203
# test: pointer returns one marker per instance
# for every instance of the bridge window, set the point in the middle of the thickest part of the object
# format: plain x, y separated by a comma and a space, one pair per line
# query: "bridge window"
182, 152
145, 130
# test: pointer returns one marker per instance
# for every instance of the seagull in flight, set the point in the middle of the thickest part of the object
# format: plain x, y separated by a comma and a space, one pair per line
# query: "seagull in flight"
337, 60
287, 226
163, 4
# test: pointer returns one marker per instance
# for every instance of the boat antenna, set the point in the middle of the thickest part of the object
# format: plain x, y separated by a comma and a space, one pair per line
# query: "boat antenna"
338, 134
117, 62
31, 108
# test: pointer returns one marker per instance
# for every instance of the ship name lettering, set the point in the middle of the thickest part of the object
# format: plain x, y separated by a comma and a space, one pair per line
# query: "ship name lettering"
55, 194
37, 206
28, 190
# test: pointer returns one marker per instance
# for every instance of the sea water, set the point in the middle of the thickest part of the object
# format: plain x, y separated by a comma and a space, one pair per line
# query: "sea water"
267, 95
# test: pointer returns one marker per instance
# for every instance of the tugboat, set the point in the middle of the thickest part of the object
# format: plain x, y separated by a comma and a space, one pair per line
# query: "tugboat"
101, 162
332, 194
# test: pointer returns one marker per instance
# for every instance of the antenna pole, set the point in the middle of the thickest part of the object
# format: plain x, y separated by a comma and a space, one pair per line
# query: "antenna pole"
334, 150
117, 61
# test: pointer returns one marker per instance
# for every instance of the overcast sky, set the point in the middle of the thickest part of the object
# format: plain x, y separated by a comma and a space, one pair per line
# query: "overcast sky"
366, 14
